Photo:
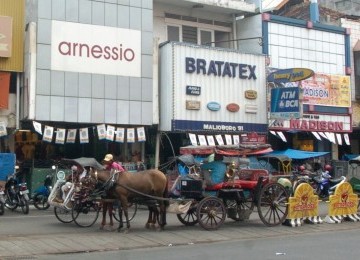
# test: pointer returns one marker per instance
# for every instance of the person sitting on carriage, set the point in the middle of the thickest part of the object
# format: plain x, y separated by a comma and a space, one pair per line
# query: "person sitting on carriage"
214, 172
74, 177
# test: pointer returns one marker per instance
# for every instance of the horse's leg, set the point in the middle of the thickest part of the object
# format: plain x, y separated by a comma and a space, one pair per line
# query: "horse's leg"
120, 217
149, 221
124, 204
110, 210
162, 215
103, 221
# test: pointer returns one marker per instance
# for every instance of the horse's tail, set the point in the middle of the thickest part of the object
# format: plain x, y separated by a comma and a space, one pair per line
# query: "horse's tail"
166, 193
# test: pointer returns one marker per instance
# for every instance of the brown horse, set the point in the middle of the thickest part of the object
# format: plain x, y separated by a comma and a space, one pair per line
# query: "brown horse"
143, 185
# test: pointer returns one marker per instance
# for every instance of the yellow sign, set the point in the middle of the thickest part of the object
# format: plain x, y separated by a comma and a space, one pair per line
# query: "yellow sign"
344, 201
304, 204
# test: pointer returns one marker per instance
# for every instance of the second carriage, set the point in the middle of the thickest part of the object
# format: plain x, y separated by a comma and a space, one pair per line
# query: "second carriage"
242, 190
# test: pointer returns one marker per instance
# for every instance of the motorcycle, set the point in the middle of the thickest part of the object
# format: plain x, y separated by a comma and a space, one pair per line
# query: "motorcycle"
2, 201
322, 182
41, 194
16, 194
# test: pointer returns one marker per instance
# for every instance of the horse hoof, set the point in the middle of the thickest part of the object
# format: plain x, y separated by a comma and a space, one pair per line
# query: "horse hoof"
126, 231
147, 225
102, 227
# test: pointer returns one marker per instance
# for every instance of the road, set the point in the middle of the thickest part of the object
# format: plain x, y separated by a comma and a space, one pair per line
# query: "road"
40, 235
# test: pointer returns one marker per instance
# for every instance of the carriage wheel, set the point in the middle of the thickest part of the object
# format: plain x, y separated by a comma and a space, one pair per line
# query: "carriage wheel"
190, 217
272, 204
211, 213
85, 214
63, 215
239, 210
132, 209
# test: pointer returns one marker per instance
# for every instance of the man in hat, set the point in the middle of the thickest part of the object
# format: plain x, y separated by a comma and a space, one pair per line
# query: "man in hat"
110, 165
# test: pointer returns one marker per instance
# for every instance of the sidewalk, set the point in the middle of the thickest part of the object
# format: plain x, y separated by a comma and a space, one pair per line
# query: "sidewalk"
12, 247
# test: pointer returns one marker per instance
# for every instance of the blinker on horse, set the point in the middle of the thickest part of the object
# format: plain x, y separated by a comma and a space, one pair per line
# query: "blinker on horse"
143, 185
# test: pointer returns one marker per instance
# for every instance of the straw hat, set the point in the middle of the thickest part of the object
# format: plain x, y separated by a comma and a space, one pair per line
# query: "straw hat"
108, 158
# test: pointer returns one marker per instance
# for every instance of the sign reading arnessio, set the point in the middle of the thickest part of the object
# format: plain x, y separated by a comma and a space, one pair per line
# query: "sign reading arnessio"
95, 49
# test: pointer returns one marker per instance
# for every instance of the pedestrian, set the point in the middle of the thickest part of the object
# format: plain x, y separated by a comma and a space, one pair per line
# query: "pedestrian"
108, 206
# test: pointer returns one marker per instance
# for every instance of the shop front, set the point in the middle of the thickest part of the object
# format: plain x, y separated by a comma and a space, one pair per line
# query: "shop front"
211, 96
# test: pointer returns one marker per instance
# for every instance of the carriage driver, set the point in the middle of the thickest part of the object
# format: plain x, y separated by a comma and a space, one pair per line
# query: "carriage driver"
110, 164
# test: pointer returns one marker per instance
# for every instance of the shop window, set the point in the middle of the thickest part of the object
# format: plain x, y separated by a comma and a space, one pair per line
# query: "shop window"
189, 34
206, 37
173, 33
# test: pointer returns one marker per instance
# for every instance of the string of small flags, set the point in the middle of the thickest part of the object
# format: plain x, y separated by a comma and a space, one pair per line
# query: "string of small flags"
210, 140
104, 132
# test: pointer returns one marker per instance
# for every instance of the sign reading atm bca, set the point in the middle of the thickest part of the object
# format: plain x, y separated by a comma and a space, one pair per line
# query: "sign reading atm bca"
285, 103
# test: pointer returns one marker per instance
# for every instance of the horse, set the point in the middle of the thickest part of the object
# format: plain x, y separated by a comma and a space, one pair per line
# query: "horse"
145, 184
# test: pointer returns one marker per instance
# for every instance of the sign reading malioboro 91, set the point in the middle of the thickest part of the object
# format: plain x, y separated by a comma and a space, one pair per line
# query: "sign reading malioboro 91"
224, 77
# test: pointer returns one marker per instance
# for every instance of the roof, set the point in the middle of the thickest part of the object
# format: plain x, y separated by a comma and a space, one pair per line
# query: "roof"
299, 154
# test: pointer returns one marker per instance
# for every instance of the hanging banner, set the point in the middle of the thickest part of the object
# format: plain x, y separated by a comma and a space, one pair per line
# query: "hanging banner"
338, 138
110, 131
60, 136
101, 129
37, 127
3, 130
120, 135
219, 139
193, 139
71, 136
4, 88
346, 138
48, 134
211, 140
141, 134
202, 140
84, 135
317, 136
130, 135
228, 139
236, 139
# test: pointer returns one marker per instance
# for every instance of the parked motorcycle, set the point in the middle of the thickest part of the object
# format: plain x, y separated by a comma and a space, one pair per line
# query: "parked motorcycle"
2, 200
16, 194
41, 194
322, 182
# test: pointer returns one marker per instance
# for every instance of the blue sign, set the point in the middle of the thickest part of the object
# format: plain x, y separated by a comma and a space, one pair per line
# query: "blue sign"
7, 165
285, 103
213, 106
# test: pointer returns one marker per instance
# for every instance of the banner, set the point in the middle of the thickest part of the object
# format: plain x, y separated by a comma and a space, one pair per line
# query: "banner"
48, 134
120, 135
193, 139
202, 140
3, 130
211, 140
71, 136
130, 135
4, 89
141, 134
37, 127
84, 135
110, 132
60, 136
101, 129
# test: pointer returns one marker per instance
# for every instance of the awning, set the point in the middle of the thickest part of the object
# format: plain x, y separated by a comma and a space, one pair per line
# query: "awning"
299, 154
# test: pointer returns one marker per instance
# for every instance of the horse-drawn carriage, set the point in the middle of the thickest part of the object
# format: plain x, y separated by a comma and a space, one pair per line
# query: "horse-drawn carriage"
236, 196
83, 201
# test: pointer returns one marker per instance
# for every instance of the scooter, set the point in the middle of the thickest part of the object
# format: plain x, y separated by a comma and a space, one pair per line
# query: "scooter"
16, 194
41, 195
2, 200
326, 185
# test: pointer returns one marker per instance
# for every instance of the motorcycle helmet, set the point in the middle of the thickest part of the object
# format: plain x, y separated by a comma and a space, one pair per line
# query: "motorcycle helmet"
301, 168
327, 167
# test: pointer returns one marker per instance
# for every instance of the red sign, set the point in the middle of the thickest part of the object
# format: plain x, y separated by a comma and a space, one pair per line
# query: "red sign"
316, 125
252, 138
4, 89
232, 107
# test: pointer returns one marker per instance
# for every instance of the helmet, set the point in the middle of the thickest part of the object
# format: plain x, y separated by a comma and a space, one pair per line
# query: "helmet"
74, 168
301, 168
327, 167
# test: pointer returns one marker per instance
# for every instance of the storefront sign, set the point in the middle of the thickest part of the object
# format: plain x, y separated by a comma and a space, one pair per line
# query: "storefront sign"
193, 90
232, 107
220, 68
221, 127
315, 125
250, 94
5, 36
213, 106
95, 49
285, 103
327, 90
253, 138
192, 105
290, 75
251, 109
